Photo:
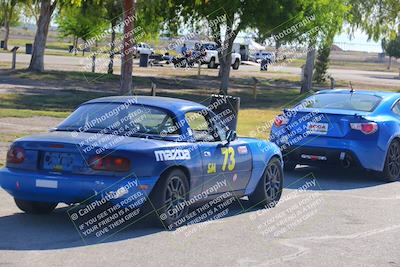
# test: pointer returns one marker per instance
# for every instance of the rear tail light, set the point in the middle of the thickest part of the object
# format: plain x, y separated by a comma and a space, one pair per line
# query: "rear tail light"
281, 120
109, 163
365, 128
15, 155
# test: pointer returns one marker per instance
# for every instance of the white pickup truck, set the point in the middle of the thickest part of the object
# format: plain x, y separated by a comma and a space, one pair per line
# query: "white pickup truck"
142, 48
210, 57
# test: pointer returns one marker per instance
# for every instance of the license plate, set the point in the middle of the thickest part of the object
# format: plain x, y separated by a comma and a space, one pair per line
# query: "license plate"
317, 128
46, 183
58, 161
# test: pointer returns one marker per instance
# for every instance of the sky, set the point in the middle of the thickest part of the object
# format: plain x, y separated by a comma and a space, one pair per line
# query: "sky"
358, 43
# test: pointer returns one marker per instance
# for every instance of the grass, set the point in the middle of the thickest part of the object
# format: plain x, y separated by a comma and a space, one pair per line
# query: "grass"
54, 105
9, 137
27, 113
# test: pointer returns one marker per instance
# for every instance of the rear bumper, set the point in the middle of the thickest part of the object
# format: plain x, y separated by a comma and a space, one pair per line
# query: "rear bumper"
68, 188
365, 154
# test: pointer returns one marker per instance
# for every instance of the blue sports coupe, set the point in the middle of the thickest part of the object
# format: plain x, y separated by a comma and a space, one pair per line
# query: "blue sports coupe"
170, 150
346, 127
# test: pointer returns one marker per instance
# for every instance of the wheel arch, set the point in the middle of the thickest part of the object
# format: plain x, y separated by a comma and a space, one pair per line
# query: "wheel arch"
183, 168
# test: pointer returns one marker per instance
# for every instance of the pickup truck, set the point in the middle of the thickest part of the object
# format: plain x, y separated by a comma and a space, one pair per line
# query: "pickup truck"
210, 57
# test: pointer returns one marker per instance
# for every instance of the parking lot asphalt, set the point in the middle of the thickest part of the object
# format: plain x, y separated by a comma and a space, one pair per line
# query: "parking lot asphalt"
326, 217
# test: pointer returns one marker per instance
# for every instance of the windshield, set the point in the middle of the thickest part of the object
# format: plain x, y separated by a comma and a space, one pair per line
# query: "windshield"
356, 102
119, 118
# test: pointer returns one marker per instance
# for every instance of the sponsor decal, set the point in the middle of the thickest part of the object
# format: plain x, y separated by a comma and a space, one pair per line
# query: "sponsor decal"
172, 154
242, 150
317, 128
212, 168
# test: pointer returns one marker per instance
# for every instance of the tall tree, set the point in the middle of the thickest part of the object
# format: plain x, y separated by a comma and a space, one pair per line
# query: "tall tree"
81, 22
9, 15
127, 50
391, 47
226, 19
113, 16
47, 8
329, 17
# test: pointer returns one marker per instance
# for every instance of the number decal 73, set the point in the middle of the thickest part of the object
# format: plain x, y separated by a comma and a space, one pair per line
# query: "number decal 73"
229, 158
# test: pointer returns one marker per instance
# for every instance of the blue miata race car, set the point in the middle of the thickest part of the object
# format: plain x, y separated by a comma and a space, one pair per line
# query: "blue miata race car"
346, 127
172, 151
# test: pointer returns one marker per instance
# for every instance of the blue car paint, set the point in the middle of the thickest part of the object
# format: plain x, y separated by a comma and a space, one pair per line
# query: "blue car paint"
84, 182
370, 150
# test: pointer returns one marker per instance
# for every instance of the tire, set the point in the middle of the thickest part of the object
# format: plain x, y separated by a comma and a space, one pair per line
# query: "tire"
235, 65
211, 64
269, 188
33, 207
391, 171
171, 190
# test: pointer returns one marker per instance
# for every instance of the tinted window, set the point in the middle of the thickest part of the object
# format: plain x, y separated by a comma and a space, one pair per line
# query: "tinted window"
356, 102
108, 117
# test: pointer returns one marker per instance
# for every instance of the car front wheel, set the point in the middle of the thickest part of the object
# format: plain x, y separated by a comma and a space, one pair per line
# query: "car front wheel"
269, 188
34, 207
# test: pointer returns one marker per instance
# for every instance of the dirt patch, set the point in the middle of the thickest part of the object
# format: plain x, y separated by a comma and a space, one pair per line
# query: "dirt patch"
27, 125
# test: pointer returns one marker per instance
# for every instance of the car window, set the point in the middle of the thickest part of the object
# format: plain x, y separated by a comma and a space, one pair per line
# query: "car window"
396, 107
201, 127
341, 101
109, 117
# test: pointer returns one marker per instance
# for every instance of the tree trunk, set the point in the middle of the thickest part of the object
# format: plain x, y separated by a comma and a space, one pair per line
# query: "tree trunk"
126, 56
75, 45
225, 56
39, 45
7, 33
308, 69
390, 63
277, 46
112, 48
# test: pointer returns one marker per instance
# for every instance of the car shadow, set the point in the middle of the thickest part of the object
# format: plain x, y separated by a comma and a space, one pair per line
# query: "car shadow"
24, 232
329, 178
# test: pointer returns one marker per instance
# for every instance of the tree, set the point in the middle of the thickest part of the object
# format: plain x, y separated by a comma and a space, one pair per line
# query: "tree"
9, 16
127, 50
81, 22
329, 17
47, 8
391, 48
225, 19
378, 18
113, 16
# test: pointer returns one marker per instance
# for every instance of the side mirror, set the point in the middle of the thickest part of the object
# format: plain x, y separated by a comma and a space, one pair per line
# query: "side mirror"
230, 136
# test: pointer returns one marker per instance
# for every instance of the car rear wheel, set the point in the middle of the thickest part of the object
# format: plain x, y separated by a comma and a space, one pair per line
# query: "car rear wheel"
169, 197
34, 207
391, 171
269, 188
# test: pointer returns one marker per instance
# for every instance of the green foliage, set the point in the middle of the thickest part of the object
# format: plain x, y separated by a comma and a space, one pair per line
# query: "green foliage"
9, 11
322, 62
392, 47
378, 18
83, 23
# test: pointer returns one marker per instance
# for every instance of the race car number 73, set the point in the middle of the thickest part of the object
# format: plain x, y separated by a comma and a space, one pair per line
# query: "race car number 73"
229, 158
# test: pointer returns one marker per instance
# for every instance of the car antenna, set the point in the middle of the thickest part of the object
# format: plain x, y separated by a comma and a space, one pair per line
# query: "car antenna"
351, 87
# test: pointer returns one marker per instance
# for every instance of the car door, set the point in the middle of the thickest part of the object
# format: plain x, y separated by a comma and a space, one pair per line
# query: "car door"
226, 166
